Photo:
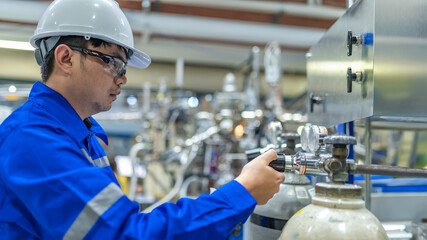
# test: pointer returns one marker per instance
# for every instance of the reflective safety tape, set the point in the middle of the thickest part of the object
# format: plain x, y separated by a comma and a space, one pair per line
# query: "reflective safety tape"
100, 162
92, 211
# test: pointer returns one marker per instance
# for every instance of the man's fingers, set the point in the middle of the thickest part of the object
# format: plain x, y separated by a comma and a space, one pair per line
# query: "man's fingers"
282, 177
269, 156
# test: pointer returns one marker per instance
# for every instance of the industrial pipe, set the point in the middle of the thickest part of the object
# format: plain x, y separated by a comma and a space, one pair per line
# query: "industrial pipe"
192, 146
306, 10
134, 162
390, 171
188, 156
184, 26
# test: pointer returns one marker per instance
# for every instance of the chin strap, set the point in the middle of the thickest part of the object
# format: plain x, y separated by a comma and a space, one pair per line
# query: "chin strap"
44, 47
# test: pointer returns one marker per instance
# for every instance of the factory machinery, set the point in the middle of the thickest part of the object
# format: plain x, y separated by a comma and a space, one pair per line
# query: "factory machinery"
203, 146
211, 152
368, 68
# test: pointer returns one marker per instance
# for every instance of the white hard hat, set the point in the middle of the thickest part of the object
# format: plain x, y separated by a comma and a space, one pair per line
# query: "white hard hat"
101, 19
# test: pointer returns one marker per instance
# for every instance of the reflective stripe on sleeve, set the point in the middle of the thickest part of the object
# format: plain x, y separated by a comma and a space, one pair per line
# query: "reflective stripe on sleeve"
93, 210
100, 162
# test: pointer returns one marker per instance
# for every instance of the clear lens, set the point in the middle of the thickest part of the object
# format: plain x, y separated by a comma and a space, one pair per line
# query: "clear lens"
116, 67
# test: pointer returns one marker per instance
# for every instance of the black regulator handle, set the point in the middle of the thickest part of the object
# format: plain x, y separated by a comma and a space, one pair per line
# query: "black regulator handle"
278, 165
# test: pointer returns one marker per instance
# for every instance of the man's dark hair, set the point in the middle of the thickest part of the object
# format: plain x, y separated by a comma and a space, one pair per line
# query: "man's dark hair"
76, 41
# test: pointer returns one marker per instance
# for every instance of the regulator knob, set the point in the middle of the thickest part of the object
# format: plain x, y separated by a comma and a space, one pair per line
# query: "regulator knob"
340, 139
290, 136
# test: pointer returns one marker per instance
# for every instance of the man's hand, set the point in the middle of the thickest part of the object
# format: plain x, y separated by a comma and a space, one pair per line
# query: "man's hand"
261, 180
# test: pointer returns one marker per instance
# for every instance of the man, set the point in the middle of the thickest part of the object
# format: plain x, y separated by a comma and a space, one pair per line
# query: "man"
55, 180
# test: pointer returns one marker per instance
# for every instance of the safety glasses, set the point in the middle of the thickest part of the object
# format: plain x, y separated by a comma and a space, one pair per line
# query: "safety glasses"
116, 65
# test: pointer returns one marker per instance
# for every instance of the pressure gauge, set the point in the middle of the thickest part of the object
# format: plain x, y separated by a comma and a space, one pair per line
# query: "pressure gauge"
311, 136
304, 137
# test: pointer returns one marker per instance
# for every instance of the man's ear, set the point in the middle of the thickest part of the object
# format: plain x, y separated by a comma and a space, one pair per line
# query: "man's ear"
63, 58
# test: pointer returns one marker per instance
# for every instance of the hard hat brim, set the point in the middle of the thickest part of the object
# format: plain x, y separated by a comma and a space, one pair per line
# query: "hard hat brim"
139, 59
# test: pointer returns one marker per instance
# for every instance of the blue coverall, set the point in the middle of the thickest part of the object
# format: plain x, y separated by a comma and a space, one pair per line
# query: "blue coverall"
56, 183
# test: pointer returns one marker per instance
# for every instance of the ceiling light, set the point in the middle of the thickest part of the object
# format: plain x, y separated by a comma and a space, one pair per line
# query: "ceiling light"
16, 45
12, 89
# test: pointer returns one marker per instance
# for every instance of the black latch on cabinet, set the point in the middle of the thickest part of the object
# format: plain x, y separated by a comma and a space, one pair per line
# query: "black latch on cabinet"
356, 40
356, 77
317, 100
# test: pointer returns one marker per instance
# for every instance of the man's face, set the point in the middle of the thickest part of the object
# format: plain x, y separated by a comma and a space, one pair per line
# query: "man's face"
97, 81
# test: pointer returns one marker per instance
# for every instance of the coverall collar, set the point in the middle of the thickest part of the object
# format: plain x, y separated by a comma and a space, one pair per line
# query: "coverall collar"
56, 105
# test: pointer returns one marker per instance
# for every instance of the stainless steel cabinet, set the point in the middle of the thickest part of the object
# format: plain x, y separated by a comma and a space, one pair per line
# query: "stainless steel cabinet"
387, 66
